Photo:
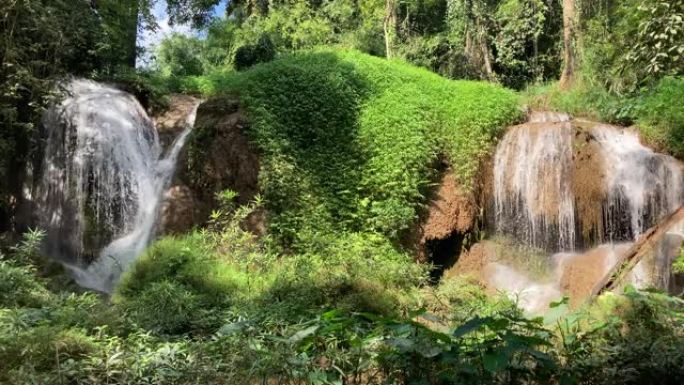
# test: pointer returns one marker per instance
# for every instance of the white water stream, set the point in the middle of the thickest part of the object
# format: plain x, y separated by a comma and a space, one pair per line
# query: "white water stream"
103, 179
532, 196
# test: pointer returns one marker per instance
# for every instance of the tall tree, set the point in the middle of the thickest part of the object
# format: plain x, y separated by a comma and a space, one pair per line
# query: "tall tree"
390, 27
121, 20
569, 38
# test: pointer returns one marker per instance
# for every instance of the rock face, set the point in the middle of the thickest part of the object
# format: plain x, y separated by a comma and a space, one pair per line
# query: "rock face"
180, 210
218, 156
450, 215
579, 273
172, 122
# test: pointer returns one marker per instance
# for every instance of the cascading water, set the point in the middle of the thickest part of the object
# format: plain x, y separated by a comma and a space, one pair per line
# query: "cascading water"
534, 182
542, 191
531, 195
102, 182
642, 186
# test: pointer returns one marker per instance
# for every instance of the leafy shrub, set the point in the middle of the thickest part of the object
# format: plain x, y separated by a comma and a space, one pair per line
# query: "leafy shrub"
630, 339
678, 265
183, 285
164, 306
660, 116
20, 287
179, 55
248, 55
355, 272
148, 87
174, 283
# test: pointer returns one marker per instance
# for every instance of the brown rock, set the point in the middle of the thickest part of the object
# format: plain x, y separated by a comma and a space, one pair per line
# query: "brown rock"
588, 182
472, 262
223, 157
217, 157
579, 273
450, 210
171, 122
180, 211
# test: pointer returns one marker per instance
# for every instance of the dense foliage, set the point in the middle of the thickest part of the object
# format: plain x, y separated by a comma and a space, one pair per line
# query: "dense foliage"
628, 44
514, 41
350, 142
351, 138
631, 65
218, 307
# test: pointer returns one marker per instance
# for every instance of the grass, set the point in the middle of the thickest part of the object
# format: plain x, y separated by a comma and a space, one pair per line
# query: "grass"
178, 279
350, 142
217, 307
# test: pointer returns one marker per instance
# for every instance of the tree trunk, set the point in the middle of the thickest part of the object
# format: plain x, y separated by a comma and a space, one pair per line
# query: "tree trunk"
131, 28
121, 18
642, 247
486, 55
569, 58
390, 27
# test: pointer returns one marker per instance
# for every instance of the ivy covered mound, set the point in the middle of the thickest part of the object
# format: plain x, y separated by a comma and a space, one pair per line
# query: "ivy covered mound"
350, 142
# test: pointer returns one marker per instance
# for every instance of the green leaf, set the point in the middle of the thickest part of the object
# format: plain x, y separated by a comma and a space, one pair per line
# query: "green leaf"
231, 328
302, 334
470, 326
494, 362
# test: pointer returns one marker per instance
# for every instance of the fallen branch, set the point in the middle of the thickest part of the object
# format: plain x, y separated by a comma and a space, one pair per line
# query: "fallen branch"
627, 261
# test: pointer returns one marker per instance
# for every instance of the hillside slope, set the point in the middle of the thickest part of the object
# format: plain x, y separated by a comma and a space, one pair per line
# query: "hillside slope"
351, 142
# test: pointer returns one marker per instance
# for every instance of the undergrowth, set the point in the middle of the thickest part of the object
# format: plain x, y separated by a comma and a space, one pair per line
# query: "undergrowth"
215, 308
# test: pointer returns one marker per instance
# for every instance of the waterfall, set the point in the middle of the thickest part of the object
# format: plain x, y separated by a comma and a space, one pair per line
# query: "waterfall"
103, 178
532, 196
560, 185
534, 184
642, 186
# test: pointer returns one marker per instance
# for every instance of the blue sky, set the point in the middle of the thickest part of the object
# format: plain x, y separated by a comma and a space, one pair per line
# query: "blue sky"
220, 10
148, 39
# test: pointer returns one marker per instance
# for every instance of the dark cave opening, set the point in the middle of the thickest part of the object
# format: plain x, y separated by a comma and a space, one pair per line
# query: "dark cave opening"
443, 254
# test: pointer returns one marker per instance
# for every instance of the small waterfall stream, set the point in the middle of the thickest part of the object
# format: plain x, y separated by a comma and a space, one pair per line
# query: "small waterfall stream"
531, 195
642, 186
103, 179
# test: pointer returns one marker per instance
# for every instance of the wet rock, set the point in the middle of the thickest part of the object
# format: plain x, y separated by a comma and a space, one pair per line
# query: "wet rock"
172, 121
579, 273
